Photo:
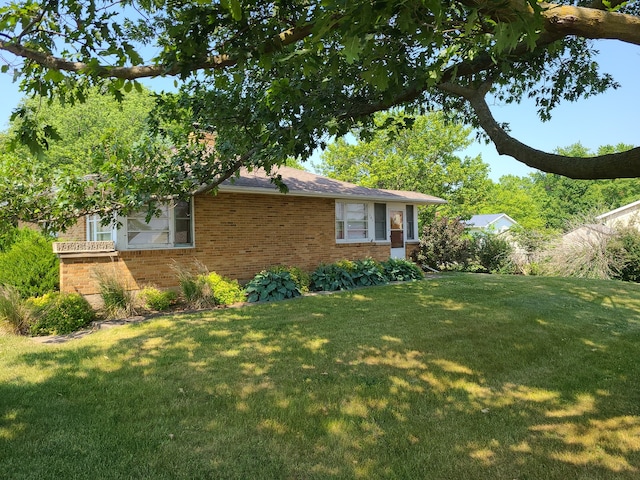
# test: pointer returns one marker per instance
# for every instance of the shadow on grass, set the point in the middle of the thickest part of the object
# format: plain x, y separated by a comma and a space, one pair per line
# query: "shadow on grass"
455, 378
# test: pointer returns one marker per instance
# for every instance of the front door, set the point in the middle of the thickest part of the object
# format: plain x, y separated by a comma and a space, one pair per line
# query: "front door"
396, 221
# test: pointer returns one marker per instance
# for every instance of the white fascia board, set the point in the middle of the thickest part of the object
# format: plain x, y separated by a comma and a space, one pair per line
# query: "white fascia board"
336, 196
628, 206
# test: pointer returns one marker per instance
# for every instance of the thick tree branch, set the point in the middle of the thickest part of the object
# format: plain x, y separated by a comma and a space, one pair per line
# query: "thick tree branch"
216, 62
559, 21
616, 165
591, 23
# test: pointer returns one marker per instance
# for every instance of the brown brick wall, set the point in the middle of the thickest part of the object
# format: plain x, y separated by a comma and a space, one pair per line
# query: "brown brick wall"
75, 233
236, 235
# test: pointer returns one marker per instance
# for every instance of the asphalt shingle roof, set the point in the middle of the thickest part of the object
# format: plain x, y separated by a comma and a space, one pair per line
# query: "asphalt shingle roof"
302, 183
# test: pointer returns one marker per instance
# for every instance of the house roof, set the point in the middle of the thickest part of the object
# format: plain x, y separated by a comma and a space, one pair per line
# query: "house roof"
487, 219
629, 206
302, 183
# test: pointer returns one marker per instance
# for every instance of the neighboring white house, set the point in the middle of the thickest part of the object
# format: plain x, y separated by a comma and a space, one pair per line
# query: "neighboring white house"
622, 217
490, 223
594, 233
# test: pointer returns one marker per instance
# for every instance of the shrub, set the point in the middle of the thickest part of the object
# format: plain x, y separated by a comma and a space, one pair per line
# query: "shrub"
15, 314
30, 265
155, 299
586, 255
400, 270
223, 290
626, 245
8, 235
367, 272
492, 252
443, 245
118, 300
332, 277
194, 287
528, 249
59, 314
301, 278
268, 285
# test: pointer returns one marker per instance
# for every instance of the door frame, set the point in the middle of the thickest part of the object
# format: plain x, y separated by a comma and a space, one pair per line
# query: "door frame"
397, 225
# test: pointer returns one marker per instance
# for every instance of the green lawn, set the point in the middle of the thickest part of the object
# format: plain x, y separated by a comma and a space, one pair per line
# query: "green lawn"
458, 377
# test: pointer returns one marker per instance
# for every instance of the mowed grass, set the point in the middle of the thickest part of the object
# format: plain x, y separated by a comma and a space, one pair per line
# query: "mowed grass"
457, 377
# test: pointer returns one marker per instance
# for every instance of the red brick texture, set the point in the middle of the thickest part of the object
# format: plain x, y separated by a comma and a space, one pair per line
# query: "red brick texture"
236, 235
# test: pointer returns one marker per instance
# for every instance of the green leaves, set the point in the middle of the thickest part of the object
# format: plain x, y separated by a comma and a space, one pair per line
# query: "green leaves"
269, 96
234, 7
407, 153
269, 285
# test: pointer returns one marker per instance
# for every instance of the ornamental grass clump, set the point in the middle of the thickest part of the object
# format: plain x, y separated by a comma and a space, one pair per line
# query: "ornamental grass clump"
194, 288
15, 314
118, 300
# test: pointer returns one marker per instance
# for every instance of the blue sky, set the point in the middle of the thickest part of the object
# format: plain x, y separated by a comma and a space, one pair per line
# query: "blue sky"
610, 118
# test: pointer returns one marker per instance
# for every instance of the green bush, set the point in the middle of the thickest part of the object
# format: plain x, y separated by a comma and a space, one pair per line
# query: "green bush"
195, 290
444, 245
400, 270
118, 300
8, 235
30, 265
223, 290
332, 277
301, 278
155, 299
59, 314
367, 273
493, 253
267, 286
15, 314
626, 245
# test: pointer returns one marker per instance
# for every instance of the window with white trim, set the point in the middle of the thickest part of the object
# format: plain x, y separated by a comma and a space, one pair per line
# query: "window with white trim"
352, 221
96, 231
172, 228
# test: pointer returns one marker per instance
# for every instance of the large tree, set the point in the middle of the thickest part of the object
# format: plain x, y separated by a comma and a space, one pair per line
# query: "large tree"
273, 79
98, 123
422, 157
519, 197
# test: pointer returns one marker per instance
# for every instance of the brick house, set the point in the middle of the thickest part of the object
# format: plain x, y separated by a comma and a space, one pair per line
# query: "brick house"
247, 227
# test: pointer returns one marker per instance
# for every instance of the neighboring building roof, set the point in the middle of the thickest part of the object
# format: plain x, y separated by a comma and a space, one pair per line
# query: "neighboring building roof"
485, 221
302, 183
617, 211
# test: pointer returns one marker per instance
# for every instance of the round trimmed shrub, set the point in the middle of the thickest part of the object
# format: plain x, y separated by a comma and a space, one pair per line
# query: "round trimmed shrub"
30, 265
59, 314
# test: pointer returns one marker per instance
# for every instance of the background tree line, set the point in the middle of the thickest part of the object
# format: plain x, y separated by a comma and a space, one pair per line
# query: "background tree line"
423, 154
